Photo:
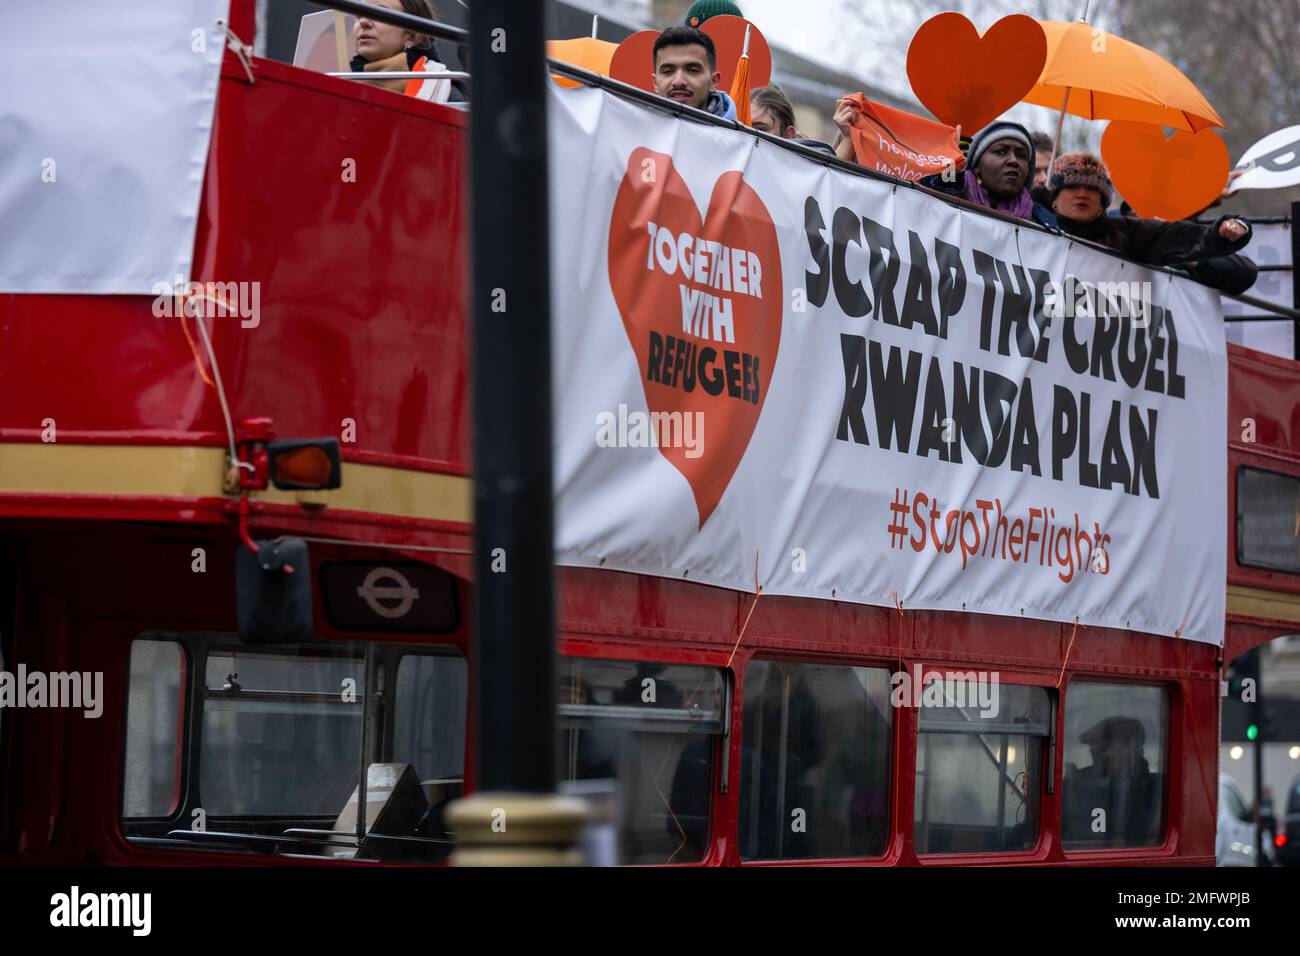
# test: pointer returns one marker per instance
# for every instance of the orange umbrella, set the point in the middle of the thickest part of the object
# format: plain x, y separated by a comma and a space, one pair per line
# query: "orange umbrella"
587, 53
740, 85
1098, 75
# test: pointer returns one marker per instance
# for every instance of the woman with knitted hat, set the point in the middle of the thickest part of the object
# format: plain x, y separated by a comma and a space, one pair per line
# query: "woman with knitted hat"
999, 166
1080, 189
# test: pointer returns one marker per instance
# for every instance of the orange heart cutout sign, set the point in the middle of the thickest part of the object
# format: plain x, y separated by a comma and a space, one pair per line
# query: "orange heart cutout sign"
633, 62
701, 303
967, 80
728, 35
1170, 178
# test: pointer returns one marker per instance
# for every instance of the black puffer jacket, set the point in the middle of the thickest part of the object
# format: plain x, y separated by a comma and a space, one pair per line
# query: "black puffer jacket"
1155, 242
1194, 248
1232, 274
815, 144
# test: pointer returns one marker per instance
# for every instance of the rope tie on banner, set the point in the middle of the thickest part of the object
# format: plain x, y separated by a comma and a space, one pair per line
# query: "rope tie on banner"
194, 350
243, 52
758, 593
898, 603
1068, 647
1178, 634
215, 382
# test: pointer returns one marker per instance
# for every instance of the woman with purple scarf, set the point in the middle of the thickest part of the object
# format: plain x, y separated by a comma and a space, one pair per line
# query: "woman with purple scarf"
999, 165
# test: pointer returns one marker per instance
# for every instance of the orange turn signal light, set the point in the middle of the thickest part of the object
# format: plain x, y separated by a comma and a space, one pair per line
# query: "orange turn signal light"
305, 463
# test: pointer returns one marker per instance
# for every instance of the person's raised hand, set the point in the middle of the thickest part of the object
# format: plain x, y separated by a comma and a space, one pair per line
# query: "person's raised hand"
1227, 187
845, 110
1233, 229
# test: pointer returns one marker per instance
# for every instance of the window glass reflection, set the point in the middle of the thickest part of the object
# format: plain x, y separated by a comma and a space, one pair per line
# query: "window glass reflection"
814, 779
1115, 752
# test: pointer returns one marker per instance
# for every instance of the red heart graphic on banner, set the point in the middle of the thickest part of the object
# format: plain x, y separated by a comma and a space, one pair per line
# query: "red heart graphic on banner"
701, 301
967, 80
1170, 178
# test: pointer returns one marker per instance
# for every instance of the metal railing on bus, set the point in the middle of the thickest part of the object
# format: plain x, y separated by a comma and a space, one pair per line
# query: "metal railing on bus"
397, 18
404, 75
1276, 313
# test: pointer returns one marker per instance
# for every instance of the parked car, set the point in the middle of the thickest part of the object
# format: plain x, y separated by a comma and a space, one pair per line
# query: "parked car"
1234, 843
1286, 843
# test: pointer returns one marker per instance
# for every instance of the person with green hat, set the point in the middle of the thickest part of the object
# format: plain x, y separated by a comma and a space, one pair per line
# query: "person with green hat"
701, 10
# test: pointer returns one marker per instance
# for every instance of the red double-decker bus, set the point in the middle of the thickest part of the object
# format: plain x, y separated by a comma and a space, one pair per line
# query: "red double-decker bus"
774, 740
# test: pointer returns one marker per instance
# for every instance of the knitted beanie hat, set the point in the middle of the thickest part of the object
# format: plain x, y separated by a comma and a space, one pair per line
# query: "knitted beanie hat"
991, 134
701, 10
1080, 169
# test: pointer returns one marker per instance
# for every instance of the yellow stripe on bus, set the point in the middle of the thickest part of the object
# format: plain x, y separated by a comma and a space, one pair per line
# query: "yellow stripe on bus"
187, 471
1257, 602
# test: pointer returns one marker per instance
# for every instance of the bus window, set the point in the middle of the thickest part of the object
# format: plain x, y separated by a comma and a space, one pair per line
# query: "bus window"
653, 729
814, 773
430, 706
1115, 752
268, 758
1268, 520
280, 735
979, 771
154, 733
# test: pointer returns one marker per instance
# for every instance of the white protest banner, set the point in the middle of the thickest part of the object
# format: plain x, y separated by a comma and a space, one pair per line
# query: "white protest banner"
105, 126
868, 393
1272, 163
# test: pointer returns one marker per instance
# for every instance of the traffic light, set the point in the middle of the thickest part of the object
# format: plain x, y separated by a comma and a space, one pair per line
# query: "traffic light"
1265, 724
1243, 678
1262, 722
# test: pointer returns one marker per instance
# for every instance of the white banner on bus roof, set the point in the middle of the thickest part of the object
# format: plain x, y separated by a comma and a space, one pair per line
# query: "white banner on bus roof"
767, 368
104, 129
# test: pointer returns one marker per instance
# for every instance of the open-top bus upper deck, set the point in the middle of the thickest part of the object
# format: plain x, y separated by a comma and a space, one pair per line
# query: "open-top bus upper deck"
766, 733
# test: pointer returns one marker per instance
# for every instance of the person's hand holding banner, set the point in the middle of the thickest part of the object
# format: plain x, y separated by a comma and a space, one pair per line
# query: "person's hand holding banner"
894, 142
1272, 163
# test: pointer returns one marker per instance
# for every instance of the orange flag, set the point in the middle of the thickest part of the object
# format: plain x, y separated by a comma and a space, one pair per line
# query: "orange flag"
901, 144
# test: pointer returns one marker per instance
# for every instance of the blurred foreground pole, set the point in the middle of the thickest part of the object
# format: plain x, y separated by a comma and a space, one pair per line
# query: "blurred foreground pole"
1257, 771
1257, 775
1295, 274
514, 817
